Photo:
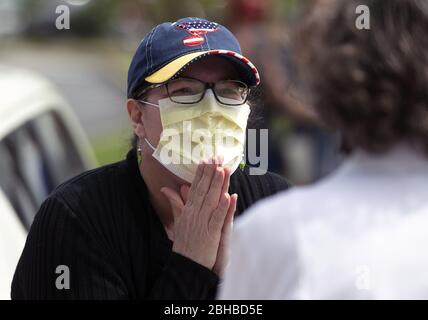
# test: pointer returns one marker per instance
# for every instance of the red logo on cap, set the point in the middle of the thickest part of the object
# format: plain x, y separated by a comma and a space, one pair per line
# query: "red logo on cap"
196, 29
193, 40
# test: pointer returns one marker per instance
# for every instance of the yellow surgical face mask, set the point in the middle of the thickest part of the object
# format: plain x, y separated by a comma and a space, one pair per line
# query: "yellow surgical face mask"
195, 132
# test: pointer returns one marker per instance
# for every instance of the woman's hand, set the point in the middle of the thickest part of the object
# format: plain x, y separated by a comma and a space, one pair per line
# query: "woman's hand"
199, 220
223, 252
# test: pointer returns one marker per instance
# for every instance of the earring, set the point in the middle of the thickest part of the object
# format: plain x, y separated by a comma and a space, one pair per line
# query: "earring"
139, 153
242, 165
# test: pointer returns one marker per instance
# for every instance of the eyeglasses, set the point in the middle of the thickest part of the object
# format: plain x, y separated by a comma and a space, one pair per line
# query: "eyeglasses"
190, 91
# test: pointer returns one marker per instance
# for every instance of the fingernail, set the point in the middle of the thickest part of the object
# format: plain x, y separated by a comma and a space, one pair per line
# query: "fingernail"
225, 199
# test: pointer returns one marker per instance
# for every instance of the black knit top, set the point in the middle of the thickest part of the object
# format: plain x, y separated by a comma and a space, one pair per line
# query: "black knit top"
101, 226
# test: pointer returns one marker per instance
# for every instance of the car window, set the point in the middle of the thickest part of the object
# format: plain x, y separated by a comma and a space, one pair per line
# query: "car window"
34, 159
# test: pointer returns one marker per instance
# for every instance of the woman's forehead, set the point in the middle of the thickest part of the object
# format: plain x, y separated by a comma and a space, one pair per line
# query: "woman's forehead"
211, 69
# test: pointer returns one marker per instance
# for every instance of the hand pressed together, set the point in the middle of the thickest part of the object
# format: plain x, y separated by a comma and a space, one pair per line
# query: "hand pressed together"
203, 216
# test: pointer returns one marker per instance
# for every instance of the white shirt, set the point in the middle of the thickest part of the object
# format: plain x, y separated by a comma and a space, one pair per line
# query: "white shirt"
361, 233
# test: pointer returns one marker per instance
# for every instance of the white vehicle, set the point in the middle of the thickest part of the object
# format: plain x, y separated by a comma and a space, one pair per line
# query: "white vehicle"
41, 145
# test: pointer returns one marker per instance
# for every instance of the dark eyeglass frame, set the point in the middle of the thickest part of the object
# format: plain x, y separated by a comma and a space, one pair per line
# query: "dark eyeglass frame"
208, 85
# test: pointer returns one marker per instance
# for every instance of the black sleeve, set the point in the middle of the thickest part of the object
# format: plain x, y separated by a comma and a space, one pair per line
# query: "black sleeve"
185, 279
58, 238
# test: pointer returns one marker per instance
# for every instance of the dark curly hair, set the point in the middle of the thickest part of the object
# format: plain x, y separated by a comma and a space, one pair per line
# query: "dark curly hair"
372, 84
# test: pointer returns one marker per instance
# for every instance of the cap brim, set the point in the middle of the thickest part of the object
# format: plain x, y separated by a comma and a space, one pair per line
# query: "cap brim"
176, 66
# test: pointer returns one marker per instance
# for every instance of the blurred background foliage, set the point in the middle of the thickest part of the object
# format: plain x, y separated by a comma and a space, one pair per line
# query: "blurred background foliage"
88, 63
95, 18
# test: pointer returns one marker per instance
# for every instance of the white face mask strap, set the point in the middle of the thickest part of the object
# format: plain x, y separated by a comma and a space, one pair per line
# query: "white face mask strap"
150, 145
149, 103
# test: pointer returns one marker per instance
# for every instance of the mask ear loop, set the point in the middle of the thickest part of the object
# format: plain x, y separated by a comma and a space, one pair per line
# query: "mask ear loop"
149, 103
140, 148
149, 144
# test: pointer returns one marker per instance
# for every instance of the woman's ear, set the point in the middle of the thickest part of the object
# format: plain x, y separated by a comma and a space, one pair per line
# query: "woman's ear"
136, 117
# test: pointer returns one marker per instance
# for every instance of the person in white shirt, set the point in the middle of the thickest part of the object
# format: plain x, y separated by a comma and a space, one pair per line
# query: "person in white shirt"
362, 232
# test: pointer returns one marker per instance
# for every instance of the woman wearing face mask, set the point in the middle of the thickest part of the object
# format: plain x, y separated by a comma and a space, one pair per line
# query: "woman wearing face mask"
156, 225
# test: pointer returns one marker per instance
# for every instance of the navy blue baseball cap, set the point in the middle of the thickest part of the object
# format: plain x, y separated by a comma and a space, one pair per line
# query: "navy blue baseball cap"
170, 47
